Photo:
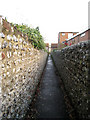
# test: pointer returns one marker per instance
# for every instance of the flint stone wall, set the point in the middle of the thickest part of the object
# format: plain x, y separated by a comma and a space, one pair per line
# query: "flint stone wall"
73, 64
20, 69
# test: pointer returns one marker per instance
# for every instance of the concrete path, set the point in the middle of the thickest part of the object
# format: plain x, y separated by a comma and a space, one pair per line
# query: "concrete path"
50, 102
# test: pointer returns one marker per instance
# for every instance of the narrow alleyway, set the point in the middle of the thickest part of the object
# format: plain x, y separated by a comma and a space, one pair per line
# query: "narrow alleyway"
50, 101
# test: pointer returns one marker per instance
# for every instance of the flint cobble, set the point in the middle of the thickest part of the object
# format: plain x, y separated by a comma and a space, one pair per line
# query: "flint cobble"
73, 64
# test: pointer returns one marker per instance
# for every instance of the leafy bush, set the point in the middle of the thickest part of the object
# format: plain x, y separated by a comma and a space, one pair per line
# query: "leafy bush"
33, 34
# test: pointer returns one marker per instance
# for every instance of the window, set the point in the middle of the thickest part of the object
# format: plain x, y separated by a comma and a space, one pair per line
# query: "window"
73, 39
63, 42
82, 35
63, 34
70, 35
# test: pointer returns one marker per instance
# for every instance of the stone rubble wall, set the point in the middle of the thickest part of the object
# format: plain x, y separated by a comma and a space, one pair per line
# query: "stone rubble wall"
73, 64
21, 67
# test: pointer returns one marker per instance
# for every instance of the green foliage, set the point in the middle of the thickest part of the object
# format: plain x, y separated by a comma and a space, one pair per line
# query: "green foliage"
34, 35
5, 19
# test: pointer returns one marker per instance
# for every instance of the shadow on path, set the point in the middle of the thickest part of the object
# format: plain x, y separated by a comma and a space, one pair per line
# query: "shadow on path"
50, 101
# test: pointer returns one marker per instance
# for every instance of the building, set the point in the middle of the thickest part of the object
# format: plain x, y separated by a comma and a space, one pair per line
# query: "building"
63, 36
89, 14
79, 37
47, 46
54, 46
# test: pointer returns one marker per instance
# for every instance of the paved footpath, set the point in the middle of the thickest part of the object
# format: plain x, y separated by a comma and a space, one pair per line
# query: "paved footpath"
50, 102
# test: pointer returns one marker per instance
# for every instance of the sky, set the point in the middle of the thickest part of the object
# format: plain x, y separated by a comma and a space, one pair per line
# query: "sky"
52, 16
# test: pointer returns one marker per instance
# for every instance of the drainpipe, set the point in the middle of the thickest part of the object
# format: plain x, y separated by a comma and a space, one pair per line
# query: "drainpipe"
78, 39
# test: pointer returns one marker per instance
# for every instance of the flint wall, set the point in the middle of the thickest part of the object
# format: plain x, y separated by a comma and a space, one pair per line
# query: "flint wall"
20, 69
73, 64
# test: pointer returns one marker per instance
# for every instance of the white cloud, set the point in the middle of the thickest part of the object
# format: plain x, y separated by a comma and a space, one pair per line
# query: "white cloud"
52, 16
